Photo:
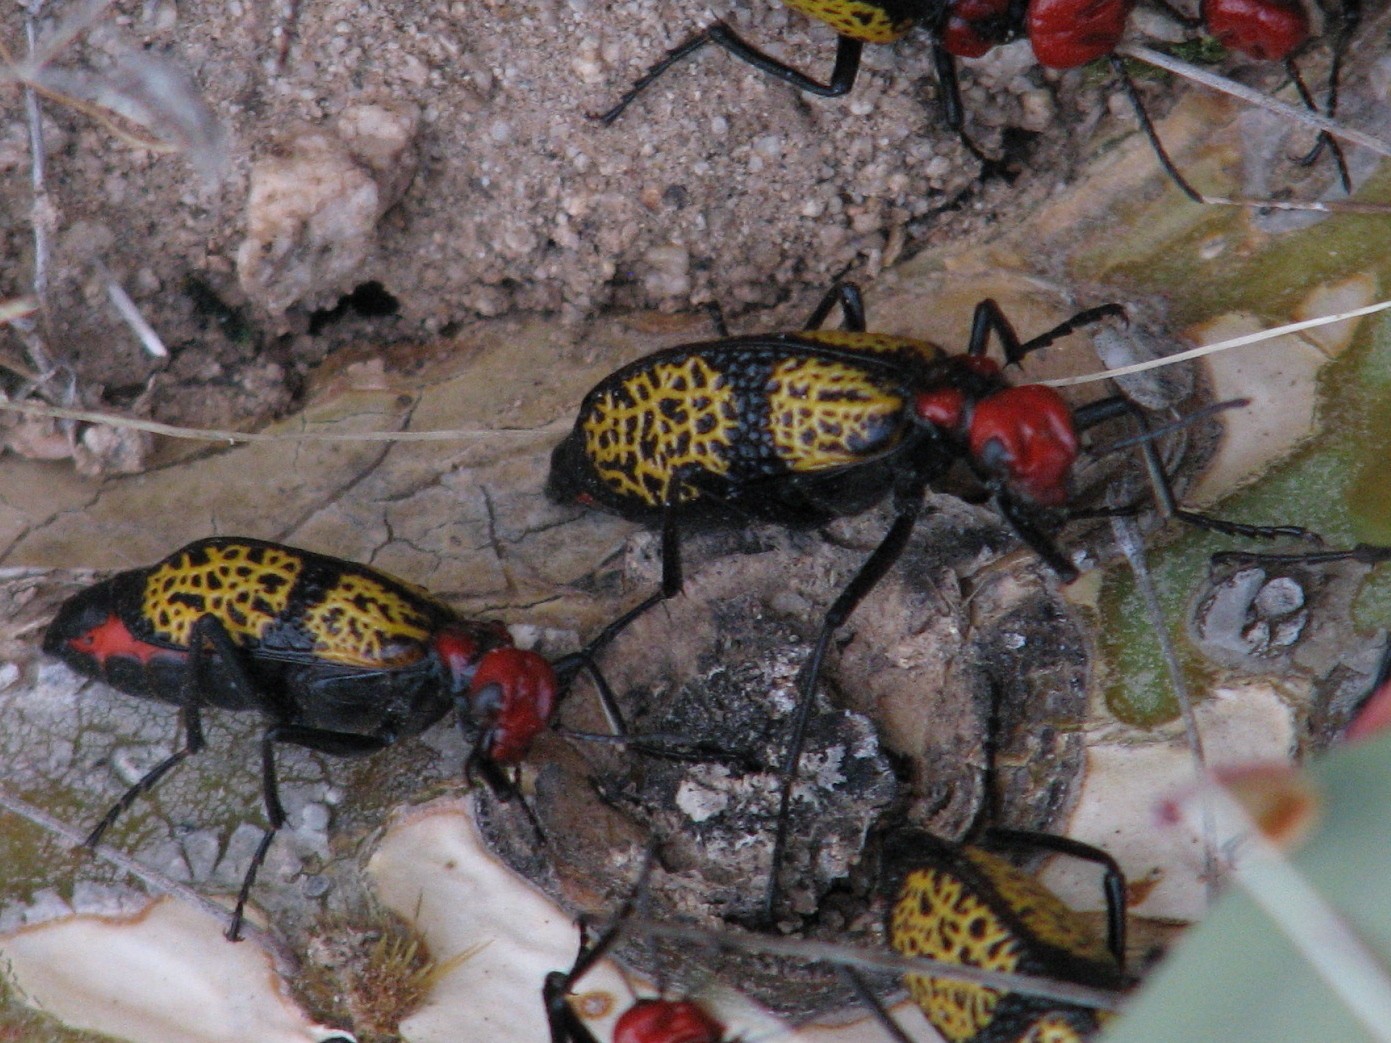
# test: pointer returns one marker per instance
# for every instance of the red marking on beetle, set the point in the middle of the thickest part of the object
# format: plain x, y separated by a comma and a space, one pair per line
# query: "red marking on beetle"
944, 407
1267, 30
1027, 433
667, 1021
113, 638
986, 367
963, 36
1068, 33
515, 693
457, 649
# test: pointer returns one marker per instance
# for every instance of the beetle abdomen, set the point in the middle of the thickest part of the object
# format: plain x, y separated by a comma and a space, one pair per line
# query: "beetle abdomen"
716, 417
287, 604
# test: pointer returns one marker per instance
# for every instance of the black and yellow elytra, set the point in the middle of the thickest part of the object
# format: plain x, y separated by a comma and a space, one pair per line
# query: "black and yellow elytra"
330, 643
747, 423
962, 904
336, 657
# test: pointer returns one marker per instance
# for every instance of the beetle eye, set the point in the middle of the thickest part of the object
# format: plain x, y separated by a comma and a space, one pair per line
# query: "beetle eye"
994, 457
486, 703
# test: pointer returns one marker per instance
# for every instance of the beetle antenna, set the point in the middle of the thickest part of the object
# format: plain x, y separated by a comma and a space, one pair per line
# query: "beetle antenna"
1155, 433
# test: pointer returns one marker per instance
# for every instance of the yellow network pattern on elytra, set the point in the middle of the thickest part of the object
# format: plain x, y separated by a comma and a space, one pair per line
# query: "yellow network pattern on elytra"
937, 916
360, 622
823, 413
662, 419
856, 19
246, 587
1044, 914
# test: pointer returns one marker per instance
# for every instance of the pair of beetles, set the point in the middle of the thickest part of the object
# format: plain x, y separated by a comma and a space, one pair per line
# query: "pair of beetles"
798, 428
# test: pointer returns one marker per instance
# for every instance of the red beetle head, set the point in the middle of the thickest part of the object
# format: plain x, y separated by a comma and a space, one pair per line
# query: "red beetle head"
1067, 33
511, 697
667, 1021
1267, 30
1025, 437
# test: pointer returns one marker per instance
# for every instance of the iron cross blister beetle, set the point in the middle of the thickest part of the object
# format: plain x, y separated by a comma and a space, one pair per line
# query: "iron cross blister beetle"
1064, 34
967, 906
961, 905
339, 658
802, 427
1278, 31
653, 1020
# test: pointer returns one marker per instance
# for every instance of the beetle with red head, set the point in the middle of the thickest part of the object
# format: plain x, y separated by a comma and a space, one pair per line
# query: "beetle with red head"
654, 1020
1064, 34
799, 428
340, 658
1276, 31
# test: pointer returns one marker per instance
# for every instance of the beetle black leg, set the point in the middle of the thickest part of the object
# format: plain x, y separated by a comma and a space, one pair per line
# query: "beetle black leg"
1349, 17
672, 579
207, 631
275, 818
1109, 408
568, 667
670, 747
990, 317
566, 1026
1325, 140
672, 582
1366, 553
871, 1003
502, 786
1131, 92
953, 112
681, 50
1113, 880
192, 725
1164, 490
1028, 530
716, 313
337, 744
909, 504
852, 306
843, 74
1082, 319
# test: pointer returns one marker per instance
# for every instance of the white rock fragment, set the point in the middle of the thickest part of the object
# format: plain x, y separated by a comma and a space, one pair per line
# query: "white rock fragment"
106, 450
433, 870
1279, 377
669, 271
699, 802
313, 208
1330, 299
1124, 783
179, 980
